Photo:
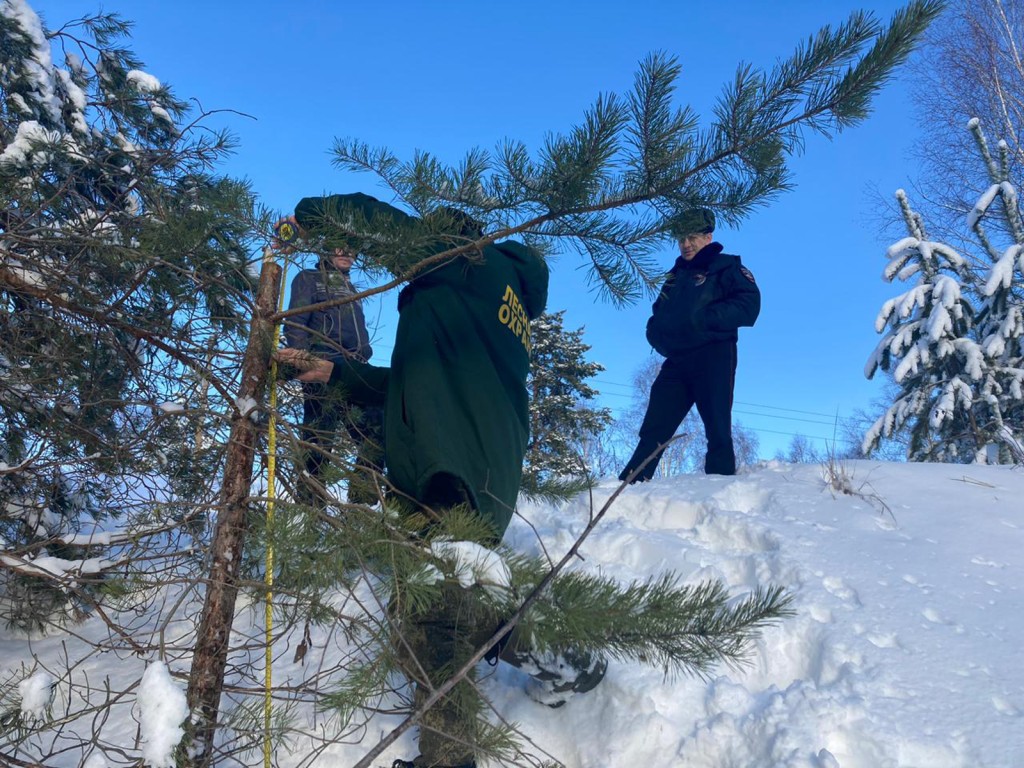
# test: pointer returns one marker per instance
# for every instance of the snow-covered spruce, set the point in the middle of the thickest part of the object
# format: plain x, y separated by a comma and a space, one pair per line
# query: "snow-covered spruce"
953, 342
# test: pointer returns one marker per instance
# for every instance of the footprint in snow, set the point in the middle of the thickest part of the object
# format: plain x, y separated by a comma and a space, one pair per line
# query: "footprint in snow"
926, 588
884, 639
741, 496
1005, 707
979, 560
937, 618
840, 589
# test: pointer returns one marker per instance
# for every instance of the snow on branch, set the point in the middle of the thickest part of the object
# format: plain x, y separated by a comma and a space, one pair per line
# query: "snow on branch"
55, 566
38, 66
972, 357
955, 392
901, 254
981, 207
30, 146
475, 565
1001, 274
162, 710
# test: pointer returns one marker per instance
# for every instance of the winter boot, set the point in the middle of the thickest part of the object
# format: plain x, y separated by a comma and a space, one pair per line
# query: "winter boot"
556, 678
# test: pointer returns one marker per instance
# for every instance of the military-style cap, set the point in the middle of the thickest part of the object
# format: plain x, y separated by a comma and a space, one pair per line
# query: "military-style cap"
691, 221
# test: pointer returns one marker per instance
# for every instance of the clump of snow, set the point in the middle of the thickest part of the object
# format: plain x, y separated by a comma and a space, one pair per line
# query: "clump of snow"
1001, 275
982, 205
146, 83
161, 113
75, 63
143, 81
247, 406
78, 100
475, 565
36, 693
28, 145
171, 407
162, 710
38, 67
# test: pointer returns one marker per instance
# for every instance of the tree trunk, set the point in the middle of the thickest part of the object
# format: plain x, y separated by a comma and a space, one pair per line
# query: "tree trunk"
212, 642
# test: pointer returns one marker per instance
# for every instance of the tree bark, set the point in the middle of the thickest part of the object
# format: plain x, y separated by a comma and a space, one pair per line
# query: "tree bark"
209, 658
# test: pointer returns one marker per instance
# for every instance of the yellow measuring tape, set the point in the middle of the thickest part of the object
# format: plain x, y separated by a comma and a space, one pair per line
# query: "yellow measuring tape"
271, 497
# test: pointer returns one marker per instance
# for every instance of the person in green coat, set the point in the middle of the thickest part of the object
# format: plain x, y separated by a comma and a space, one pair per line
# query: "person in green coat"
456, 418
456, 408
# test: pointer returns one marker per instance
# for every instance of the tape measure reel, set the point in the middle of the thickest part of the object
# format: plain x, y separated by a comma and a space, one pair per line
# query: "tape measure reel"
286, 232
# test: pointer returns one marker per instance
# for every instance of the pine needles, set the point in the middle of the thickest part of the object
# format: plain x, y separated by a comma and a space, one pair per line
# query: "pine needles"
609, 185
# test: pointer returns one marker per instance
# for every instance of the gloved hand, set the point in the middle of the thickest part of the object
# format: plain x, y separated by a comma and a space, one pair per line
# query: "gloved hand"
302, 365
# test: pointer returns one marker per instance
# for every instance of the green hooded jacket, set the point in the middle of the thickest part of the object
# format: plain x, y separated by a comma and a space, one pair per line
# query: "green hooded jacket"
455, 395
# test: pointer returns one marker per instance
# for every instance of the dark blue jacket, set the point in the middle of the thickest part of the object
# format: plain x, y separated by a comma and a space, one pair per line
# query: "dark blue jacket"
703, 301
332, 332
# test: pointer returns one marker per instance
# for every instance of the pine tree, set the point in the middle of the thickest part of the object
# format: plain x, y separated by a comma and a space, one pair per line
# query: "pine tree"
561, 417
610, 188
954, 342
124, 262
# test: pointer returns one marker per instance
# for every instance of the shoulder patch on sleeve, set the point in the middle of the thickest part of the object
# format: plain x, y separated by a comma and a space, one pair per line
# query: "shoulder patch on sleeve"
748, 274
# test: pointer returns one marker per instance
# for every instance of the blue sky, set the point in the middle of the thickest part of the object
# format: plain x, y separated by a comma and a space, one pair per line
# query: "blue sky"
448, 76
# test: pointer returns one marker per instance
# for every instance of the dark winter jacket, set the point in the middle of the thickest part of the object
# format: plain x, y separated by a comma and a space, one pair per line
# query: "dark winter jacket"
331, 332
455, 394
702, 301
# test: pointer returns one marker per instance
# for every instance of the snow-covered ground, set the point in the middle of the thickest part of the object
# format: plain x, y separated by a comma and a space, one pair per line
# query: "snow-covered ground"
906, 650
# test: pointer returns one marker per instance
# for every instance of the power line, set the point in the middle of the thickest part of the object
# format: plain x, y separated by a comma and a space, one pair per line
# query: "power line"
790, 410
737, 402
833, 418
787, 418
613, 383
790, 434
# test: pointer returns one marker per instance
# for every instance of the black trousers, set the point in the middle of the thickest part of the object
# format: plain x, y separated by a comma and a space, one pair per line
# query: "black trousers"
323, 412
704, 377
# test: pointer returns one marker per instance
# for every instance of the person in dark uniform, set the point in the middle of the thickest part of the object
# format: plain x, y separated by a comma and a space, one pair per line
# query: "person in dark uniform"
706, 297
456, 424
333, 333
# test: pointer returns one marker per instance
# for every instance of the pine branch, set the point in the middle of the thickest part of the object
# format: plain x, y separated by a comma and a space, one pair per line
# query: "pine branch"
658, 134
645, 155
705, 625
682, 628
853, 93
